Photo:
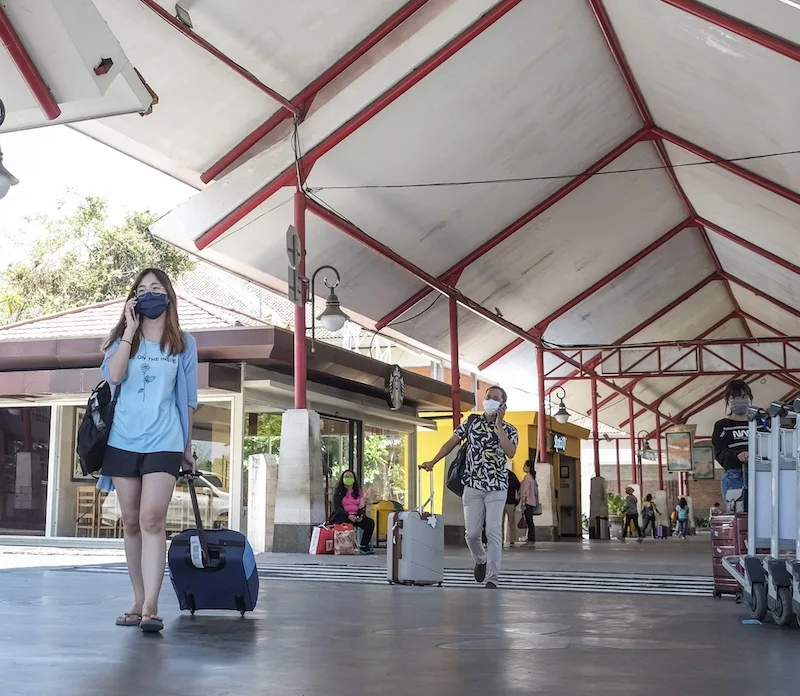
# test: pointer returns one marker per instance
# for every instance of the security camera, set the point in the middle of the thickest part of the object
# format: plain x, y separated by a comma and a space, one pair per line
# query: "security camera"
7, 179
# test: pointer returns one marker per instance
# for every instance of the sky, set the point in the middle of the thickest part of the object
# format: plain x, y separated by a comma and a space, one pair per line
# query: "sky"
56, 163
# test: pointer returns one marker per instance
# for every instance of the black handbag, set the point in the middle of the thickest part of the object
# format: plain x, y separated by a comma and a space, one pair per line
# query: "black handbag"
455, 474
95, 428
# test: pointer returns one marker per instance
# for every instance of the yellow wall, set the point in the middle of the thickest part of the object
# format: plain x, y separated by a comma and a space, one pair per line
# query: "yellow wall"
429, 442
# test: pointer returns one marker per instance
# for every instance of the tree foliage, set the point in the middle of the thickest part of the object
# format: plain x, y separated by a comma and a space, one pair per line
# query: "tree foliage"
81, 259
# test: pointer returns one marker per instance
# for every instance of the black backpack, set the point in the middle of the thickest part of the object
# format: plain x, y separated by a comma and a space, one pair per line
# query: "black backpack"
95, 428
455, 474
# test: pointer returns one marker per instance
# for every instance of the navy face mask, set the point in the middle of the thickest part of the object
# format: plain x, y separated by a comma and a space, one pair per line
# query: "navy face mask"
152, 306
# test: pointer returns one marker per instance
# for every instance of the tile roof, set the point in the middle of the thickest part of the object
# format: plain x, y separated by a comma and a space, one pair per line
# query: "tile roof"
97, 320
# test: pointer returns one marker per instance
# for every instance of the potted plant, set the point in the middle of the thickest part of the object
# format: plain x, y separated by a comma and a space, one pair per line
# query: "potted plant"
616, 514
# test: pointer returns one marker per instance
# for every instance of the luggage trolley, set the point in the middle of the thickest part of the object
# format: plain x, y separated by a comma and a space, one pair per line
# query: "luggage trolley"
771, 581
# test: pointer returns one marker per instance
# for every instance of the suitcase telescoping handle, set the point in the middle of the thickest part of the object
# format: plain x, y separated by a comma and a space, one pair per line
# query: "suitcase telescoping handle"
429, 501
198, 519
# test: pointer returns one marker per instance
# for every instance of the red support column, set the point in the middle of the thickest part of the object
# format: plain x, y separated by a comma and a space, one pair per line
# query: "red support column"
632, 425
595, 426
619, 470
541, 419
300, 370
455, 372
658, 448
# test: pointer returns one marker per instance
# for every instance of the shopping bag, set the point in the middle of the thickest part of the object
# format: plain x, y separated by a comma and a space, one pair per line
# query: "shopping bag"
344, 540
322, 541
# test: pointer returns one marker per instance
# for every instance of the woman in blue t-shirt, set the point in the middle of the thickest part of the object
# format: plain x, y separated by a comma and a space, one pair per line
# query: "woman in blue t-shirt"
155, 365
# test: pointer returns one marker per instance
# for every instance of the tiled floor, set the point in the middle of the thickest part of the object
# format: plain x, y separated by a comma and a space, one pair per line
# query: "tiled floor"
57, 638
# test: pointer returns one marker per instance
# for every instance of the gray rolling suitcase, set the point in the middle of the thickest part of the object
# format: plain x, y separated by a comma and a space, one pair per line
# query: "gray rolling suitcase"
415, 553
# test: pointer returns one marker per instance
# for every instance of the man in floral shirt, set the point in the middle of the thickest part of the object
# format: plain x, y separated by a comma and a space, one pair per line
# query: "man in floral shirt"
490, 442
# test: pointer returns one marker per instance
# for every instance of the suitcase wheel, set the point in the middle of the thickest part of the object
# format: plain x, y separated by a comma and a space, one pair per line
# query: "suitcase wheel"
190, 604
717, 594
240, 605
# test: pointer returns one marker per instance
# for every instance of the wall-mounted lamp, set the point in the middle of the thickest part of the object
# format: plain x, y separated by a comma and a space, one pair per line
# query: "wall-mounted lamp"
644, 441
332, 318
562, 415
7, 179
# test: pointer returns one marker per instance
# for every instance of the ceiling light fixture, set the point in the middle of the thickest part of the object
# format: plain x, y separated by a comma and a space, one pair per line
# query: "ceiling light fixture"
7, 179
562, 415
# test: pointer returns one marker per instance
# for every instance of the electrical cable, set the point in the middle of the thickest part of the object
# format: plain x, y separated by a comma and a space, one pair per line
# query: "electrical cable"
559, 177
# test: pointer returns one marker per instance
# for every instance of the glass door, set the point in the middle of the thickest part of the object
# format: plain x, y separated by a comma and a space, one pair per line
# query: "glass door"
340, 441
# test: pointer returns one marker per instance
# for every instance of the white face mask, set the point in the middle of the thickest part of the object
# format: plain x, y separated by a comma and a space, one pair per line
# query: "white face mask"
491, 406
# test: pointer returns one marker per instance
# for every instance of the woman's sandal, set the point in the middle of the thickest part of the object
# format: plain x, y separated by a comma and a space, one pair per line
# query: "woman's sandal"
151, 624
129, 619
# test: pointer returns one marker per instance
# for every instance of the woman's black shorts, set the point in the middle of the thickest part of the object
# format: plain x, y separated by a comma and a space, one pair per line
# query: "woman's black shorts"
126, 464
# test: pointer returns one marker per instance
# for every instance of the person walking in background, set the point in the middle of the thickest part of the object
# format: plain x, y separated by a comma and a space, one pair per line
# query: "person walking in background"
510, 512
631, 515
153, 364
529, 500
490, 443
716, 510
682, 511
649, 512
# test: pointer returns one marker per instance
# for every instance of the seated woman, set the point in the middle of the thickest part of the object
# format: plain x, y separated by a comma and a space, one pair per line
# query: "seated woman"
349, 505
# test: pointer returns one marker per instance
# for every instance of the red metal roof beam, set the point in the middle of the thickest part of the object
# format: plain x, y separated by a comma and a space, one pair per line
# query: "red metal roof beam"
575, 301
305, 97
764, 295
384, 251
27, 68
220, 56
518, 224
737, 26
288, 176
732, 167
628, 388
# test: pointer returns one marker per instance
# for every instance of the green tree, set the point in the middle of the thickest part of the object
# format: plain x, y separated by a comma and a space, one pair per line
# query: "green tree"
384, 473
267, 439
81, 259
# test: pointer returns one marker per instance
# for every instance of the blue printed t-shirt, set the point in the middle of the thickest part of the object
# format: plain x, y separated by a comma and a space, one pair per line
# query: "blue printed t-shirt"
683, 512
485, 467
146, 418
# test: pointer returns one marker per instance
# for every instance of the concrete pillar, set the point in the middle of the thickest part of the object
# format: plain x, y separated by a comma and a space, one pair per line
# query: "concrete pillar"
452, 507
262, 472
300, 503
662, 506
547, 524
598, 503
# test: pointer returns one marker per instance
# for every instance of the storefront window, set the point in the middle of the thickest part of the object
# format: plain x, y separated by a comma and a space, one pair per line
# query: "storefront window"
385, 464
86, 512
24, 454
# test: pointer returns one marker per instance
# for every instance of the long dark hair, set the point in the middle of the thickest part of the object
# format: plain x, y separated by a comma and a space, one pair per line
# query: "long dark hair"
682, 503
341, 489
172, 338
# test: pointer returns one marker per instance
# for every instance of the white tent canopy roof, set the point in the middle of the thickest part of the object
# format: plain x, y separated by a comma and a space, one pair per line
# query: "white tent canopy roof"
455, 133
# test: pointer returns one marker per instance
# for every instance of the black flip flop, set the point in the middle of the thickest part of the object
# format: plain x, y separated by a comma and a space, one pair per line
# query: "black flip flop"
151, 625
129, 619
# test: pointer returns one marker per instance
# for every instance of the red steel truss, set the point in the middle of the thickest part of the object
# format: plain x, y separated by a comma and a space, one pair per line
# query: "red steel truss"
27, 68
517, 225
288, 176
382, 250
736, 26
219, 55
305, 98
725, 356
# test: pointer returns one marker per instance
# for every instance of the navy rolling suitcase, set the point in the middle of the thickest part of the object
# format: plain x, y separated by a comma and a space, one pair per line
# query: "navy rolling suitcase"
220, 574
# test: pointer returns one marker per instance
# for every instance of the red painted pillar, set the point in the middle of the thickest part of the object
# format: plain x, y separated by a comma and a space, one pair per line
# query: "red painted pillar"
300, 369
658, 447
595, 426
541, 419
632, 426
455, 372
619, 470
